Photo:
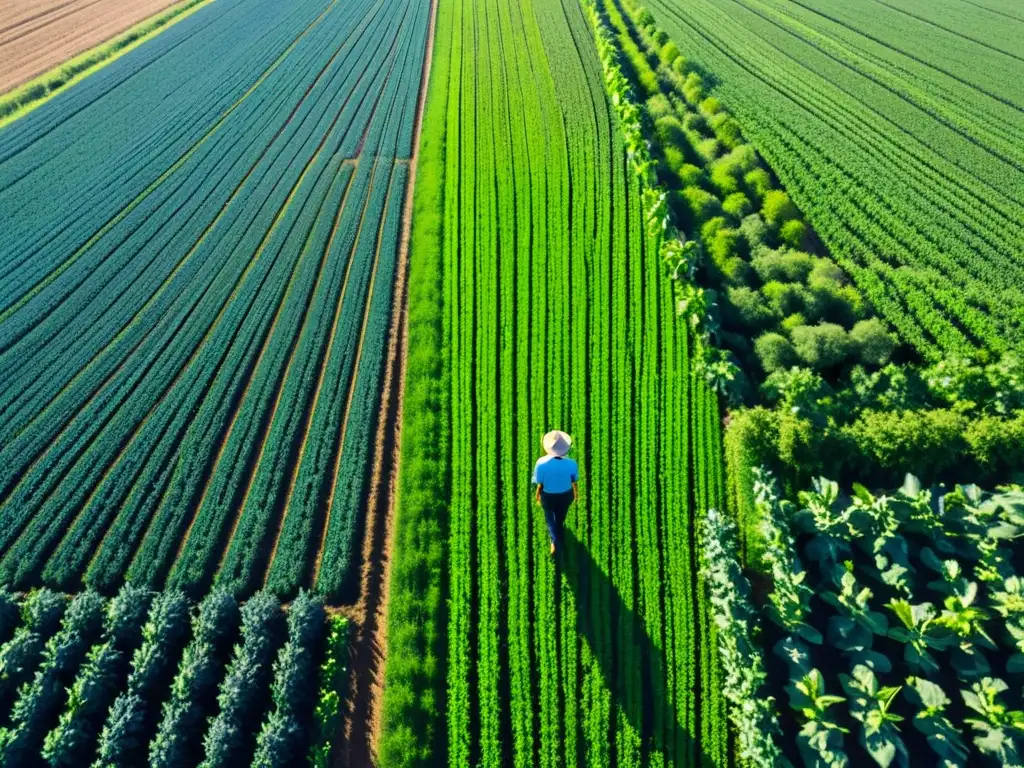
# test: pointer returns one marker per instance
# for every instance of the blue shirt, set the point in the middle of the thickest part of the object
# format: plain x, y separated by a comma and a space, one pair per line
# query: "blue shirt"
554, 474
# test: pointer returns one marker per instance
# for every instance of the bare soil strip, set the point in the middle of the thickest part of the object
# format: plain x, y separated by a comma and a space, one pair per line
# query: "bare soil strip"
356, 743
62, 31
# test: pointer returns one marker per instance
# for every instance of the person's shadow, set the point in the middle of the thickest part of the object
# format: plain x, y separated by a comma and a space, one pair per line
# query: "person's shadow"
633, 666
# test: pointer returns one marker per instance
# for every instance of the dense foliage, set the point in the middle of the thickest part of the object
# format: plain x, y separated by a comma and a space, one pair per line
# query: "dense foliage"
332, 678
242, 697
41, 612
285, 730
192, 691
39, 702
132, 715
99, 688
901, 634
752, 711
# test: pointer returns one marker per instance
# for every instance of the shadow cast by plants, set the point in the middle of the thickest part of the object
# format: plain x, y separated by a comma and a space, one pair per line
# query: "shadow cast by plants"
631, 663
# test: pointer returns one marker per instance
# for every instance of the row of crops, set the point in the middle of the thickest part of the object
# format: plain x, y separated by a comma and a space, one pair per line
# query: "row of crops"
941, 566
148, 678
891, 633
195, 296
537, 300
899, 132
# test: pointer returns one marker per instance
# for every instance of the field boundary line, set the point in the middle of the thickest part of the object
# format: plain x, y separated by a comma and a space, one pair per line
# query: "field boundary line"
361, 725
172, 15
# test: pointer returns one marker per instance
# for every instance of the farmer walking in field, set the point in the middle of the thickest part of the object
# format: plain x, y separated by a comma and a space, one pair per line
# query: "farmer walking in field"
555, 476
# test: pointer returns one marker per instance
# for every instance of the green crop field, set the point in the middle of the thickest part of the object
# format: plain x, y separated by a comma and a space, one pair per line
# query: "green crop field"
290, 294
898, 127
537, 298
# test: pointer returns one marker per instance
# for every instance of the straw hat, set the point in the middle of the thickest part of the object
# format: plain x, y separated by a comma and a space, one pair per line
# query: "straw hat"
556, 443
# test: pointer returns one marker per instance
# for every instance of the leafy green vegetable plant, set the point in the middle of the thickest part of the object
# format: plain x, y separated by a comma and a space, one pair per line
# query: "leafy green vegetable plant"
943, 737
999, 729
871, 704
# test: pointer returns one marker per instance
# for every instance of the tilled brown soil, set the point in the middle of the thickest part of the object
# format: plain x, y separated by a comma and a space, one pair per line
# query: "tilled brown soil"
37, 35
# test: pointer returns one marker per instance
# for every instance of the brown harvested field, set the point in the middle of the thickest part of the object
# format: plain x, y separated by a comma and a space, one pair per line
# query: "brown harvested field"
37, 35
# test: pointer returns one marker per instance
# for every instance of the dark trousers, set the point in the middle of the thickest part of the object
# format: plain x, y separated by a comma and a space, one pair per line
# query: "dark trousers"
556, 507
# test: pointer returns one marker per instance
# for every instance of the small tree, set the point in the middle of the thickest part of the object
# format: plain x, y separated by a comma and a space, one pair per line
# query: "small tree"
822, 346
775, 352
778, 208
758, 183
793, 233
873, 343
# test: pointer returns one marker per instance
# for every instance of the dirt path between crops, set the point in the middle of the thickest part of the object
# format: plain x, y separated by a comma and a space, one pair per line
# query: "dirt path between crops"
361, 722
37, 35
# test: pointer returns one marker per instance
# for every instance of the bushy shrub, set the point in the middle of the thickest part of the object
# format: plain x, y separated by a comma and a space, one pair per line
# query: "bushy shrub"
825, 272
793, 233
833, 297
658, 106
777, 208
669, 132
646, 79
775, 352
755, 231
795, 320
800, 389
873, 342
822, 346
693, 86
668, 52
728, 132
710, 106
735, 271
758, 183
699, 206
727, 172
708, 149
679, 65
642, 16
799, 439
725, 244
725, 176
783, 298
747, 308
737, 205
712, 227
904, 439
673, 159
660, 37
745, 156
997, 442
786, 266
690, 175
